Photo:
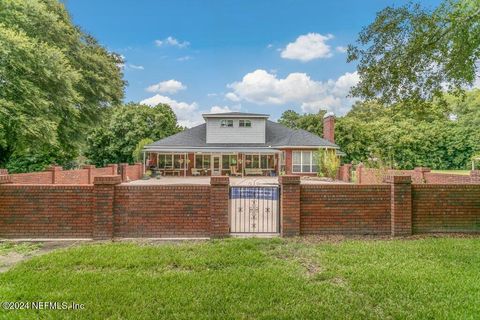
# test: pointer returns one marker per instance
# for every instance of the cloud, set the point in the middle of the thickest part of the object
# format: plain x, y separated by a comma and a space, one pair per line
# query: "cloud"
170, 86
133, 66
188, 114
184, 58
261, 87
308, 47
341, 49
232, 96
171, 41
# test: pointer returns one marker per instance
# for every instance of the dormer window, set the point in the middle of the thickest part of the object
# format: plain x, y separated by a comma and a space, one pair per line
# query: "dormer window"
226, 123
245, 123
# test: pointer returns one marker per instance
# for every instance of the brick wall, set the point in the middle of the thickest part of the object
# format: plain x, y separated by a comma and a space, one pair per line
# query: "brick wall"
85, 175
162, 211
446, 208
45, 211
419, 175
345, 209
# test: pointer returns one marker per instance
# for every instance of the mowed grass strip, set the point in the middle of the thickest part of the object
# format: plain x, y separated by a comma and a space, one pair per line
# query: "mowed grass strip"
432, 278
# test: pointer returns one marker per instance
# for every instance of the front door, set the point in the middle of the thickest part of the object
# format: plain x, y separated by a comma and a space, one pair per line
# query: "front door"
216, 165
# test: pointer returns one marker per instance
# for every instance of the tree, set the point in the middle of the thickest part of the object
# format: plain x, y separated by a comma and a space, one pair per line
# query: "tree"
54, 80
124, 127
412, 54
312, 122
137, 153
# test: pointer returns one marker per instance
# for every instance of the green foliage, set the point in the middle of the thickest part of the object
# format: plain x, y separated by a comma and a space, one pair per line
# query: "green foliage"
310, 122
137, 154
115, 139
435, 135
413, 54
328, 163
54, 81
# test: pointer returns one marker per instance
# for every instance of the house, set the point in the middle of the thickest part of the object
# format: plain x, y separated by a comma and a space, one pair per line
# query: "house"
237, 143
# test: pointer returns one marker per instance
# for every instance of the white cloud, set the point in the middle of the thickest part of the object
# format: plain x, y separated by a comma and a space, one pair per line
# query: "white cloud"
171, 41
170, 86
133, 66
211, 95
308, 47
187, 113
232, 96
184, 58
269, 46
341, 49
262, 87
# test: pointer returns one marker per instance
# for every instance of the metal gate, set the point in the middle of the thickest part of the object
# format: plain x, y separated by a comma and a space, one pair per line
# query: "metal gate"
254, 210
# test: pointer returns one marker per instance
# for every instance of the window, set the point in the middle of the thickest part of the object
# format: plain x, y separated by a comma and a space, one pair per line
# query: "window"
202, 161
263, 161
228, 160
171, 161
226, 123
305, 162
245, 123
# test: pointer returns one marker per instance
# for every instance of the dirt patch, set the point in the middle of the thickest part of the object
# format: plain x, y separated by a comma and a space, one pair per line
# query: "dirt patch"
10, 259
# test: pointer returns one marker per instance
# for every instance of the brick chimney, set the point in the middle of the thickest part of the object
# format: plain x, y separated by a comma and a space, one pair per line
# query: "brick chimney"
329, 127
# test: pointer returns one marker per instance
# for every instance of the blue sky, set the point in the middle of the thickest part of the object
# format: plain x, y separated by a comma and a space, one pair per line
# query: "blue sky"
255, 56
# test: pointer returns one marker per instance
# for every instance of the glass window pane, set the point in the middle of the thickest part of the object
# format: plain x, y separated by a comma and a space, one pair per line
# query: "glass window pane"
306, 161
296, 157
198, 161
256, 161
206, 162
168, 161
248, 123
225, 162
297, 168
264, 161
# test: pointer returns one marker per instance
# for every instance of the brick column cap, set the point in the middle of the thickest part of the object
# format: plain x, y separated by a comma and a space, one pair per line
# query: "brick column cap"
107, 180
475, 173
219, 181
88, 166
289, 179
4, 179
398, 179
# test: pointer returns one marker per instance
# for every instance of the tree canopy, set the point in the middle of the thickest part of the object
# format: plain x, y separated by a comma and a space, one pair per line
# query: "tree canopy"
440, 136
412, 54
54, 79
123, 127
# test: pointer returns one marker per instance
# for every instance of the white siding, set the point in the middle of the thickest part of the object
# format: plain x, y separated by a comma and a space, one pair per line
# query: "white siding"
217, 134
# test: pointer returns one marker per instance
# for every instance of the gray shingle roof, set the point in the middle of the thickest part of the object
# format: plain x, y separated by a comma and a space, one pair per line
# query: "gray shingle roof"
277, 135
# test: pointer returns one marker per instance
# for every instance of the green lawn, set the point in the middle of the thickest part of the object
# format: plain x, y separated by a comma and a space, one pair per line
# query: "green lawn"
23, 247
432, 278
460, 172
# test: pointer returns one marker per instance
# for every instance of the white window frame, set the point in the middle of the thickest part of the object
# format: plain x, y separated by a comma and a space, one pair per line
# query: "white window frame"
226, 123
242, 123
301, 164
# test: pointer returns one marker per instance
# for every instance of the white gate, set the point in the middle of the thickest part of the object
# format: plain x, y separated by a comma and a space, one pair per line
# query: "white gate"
254, 210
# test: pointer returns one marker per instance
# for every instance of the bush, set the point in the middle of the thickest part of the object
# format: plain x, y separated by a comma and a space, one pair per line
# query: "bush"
328, 163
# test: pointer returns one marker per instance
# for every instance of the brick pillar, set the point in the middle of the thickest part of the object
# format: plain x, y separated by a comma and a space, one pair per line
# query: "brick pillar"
104, 194
5, 177
89, 168
420, 174
54, 170
345, 172
475, 176
401, 205
123, 171
140, 169
358, 173
290, 205
114, 168
219, 206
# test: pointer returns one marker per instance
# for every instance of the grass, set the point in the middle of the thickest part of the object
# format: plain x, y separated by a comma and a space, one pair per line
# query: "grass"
460, 172
22, 248
432, 278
